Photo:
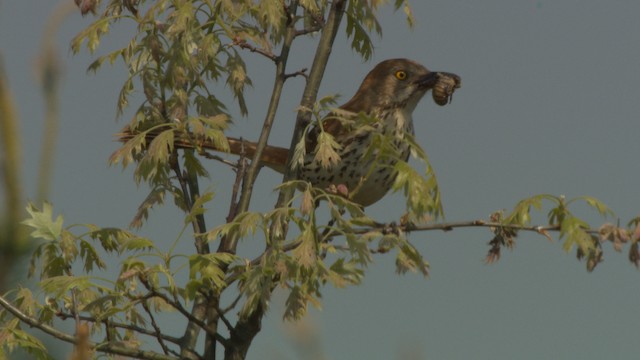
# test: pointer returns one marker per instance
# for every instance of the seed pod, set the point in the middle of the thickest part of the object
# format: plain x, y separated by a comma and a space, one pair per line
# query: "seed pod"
442, 91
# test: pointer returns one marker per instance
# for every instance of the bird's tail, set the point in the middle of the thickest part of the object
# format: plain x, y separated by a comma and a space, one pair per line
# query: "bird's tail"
273, 157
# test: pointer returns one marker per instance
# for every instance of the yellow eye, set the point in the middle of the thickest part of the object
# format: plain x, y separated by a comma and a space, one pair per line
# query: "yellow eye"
401, 75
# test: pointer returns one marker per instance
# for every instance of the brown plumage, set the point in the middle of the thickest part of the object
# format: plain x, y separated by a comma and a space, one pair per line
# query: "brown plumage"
389, 93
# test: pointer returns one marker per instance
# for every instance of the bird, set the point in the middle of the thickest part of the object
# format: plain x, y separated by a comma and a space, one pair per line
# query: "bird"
386, 99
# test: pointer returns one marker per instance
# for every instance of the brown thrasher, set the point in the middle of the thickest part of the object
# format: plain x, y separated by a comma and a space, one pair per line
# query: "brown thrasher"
388, 94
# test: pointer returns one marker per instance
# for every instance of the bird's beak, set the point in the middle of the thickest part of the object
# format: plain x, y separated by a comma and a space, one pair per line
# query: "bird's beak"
428, 80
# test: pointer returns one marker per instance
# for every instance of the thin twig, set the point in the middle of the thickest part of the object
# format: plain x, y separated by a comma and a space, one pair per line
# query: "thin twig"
230, 244
325, 237
176, 305
231, 306
241, 170
112, 324
302, 72
448, 226
209, 156
166, 350
103, 347
243, 44
310, 30
33, 322
387, 228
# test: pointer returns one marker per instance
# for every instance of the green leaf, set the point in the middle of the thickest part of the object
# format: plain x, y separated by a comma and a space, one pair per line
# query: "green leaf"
407, 10
243, 224
90, 256
307, 203
421, 193
111, 239
238, 78
57, 286
521, 214
296, 304
161, 147
194, 166
156, 196
25, 301
42, 222
100, 60
361, 20
198, 207
345, 273
359, 246
210, 128
272, 13
123, 98
409, 259
209, 267
180, 19
306, 253
326, 150
603, 209
209, 105
257, 288
360, 41
573, 230
137, 243
15, 337
92, 34
128, 150
363, 221
299, 152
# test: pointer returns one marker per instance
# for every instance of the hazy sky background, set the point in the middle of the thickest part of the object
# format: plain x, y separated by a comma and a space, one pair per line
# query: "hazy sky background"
549, 104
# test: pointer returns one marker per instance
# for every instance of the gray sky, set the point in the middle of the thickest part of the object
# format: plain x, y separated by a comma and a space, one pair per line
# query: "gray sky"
549, 104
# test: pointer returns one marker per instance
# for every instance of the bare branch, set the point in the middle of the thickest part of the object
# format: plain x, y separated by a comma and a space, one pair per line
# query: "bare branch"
33, 322
112, 324
193, 319
241, 170
243, 44
231, 306
448, 226
310, 30
157, 334
217, 158
302, 72
103, 347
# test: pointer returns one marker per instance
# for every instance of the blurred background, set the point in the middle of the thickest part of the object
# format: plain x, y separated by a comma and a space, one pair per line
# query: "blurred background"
549, 104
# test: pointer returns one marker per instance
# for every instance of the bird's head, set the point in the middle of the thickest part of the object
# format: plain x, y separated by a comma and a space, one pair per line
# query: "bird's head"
392, 83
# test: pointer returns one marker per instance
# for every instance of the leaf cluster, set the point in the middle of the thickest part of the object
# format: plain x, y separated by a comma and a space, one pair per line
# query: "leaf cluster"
313, 257
121, 310
573, 230
183, 58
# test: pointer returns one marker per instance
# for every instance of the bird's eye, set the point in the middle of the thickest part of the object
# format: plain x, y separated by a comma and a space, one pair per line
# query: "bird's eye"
401, 75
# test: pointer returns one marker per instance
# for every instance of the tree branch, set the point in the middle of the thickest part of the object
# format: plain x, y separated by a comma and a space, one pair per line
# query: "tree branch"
309, 96
252, 171
104, 347
181, 309
243, 44
302, 72
323, 51
393, 228
155, 326
448, 226
113, 324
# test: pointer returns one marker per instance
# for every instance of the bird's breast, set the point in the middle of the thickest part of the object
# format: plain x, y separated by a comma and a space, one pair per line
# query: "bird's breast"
368, 173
